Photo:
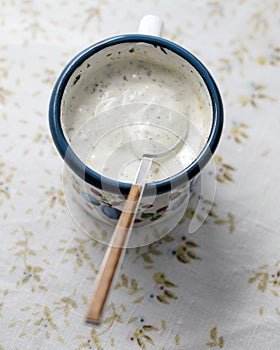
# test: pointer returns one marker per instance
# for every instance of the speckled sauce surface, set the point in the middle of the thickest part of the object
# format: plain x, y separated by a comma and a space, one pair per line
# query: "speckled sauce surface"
136, 92
217, 288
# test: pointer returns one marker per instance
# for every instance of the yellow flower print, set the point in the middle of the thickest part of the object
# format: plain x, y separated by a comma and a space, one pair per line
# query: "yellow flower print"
163, 287
114, 317
256, 94
49, 76
3, 95
215, 342
94, 340
42, 137
6, 176
262, 278
267, 279
66, 304
93, 13
91, 344
224, 170
30, 274
161, 292
53, 199
225, 65
4, 192
141, 334
184, 251
272, 57
149, 252
208, 208
45, 323
79, 251
43, 317
55, 196
131, 285
23, 245
229, 220
260, 22
237, 132
4, 70
216, 8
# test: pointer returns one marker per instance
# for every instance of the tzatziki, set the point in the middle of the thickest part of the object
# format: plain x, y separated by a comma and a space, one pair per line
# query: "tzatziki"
116, 110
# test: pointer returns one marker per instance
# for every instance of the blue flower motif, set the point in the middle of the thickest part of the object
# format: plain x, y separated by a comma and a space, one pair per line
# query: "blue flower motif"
90, 199
112, 213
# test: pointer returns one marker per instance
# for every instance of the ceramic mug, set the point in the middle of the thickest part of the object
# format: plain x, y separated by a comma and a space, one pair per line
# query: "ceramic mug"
131, 70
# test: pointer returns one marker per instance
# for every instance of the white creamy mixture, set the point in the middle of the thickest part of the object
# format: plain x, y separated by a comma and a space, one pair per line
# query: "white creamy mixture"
113, 142
132, 107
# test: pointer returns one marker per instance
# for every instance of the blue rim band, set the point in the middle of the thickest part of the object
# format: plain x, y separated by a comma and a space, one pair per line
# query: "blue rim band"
102, 182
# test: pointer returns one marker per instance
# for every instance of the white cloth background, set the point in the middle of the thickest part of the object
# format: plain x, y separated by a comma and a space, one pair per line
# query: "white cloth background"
222, 291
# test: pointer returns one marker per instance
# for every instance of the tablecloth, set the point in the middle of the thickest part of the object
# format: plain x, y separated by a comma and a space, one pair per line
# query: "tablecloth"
217, 288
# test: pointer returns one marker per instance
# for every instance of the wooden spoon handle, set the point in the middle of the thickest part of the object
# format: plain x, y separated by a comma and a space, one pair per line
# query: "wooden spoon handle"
113, 255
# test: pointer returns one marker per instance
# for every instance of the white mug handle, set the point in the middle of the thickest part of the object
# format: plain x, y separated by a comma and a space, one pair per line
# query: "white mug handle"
151, 25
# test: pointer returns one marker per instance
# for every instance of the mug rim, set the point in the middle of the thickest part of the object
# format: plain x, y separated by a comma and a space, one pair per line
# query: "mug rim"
109, 185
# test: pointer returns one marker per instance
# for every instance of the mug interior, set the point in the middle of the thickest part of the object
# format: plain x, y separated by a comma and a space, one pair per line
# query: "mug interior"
138, 69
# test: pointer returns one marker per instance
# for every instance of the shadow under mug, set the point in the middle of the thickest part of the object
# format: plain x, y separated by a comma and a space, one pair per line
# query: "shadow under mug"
179, 75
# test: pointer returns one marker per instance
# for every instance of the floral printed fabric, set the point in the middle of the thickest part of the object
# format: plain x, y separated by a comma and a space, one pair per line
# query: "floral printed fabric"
216, 288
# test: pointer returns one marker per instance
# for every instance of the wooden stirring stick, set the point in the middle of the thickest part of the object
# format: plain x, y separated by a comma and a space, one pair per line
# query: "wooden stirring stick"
118, 241
113, 255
